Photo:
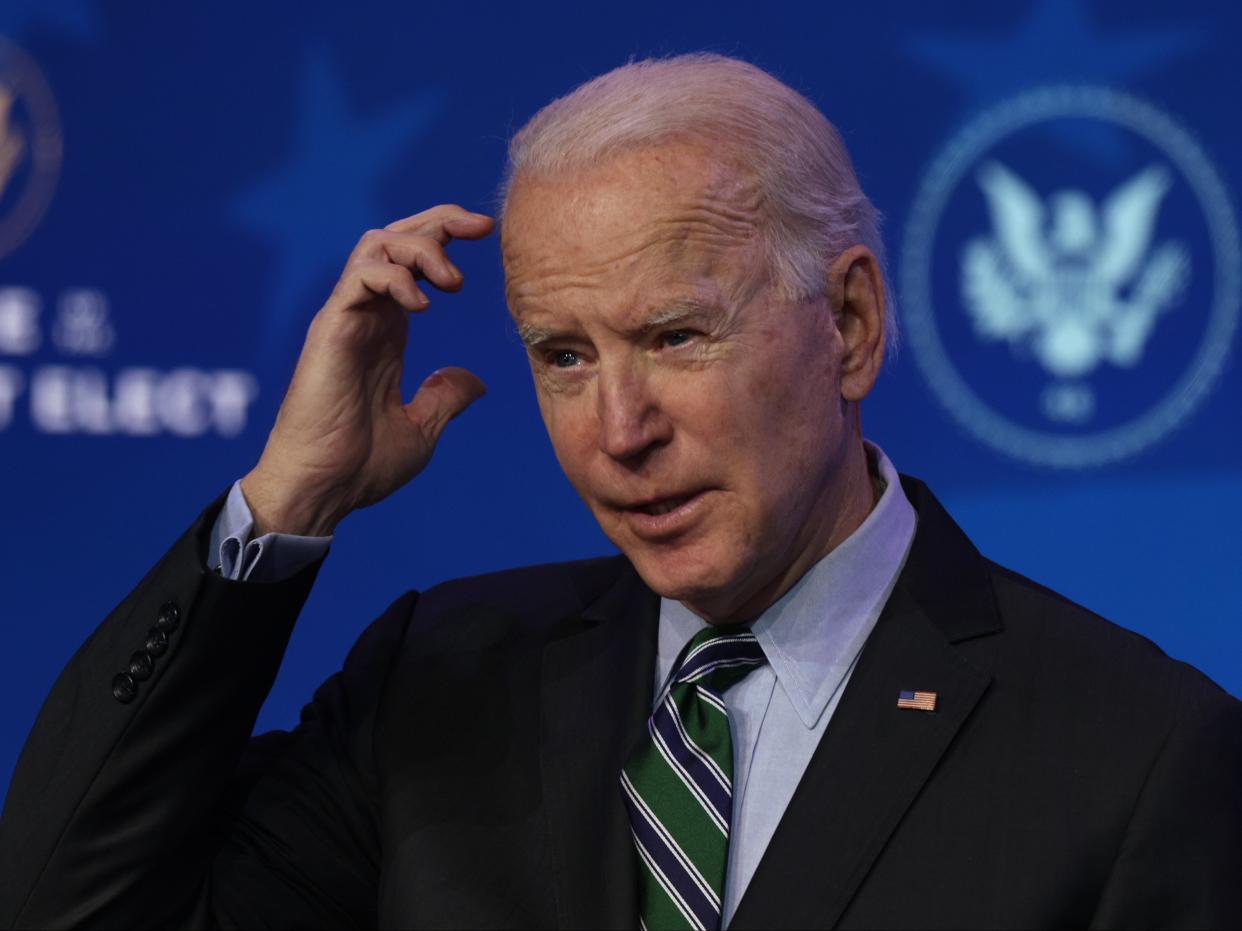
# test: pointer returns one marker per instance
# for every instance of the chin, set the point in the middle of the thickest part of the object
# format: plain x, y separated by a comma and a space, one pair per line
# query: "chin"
697, 579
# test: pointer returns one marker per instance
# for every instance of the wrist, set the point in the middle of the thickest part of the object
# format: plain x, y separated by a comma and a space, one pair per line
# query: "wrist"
281, 506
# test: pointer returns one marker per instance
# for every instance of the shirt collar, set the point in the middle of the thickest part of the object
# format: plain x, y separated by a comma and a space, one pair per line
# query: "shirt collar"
813, 634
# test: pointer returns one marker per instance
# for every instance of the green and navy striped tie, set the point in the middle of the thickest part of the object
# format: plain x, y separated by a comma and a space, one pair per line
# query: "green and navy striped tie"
678, 785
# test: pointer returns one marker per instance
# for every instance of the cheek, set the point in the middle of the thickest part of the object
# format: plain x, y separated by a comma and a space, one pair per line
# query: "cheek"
798, 389
780, 425
572, 428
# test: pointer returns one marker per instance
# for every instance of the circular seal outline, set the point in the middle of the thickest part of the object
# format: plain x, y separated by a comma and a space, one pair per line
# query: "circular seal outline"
27, 82
942, 179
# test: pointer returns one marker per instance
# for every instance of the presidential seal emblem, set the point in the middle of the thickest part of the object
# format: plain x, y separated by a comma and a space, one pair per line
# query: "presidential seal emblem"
30, 146
1071, 276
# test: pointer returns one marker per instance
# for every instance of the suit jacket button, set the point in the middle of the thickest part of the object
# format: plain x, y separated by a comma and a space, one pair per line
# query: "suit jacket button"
124, 688
169, 617
157, 642
141, 666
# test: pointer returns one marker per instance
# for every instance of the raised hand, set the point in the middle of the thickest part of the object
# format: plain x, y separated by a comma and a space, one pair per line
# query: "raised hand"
344, 438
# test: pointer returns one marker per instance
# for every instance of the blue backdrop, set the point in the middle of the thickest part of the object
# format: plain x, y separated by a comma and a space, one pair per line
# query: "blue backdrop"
179, 186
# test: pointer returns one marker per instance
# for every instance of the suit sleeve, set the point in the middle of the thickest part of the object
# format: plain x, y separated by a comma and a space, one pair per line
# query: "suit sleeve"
1180, 861
151, 806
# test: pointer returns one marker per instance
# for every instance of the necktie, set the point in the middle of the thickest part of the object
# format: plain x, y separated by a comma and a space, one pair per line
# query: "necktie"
678, 785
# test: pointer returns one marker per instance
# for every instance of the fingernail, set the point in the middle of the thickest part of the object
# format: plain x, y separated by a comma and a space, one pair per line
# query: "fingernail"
433, 379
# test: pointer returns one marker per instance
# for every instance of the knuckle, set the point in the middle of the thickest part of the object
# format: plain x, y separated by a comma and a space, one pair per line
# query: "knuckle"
398, 273
360, 270
427, 248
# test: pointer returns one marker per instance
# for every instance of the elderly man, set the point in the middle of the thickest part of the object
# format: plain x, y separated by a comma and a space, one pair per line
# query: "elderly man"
799, 698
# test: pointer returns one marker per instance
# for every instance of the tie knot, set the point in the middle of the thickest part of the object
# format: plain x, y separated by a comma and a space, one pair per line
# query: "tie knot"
717, 657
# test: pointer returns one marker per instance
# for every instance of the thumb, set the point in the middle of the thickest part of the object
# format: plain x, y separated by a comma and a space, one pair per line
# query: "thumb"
443, 395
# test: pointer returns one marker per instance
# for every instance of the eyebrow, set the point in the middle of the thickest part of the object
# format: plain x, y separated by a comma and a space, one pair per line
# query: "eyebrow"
533, 336
674, 312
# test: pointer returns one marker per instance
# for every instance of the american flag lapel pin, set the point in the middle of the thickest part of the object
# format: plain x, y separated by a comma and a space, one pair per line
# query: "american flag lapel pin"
916, 701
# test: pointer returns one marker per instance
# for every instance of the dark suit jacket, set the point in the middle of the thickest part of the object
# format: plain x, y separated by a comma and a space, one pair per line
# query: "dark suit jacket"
461, 771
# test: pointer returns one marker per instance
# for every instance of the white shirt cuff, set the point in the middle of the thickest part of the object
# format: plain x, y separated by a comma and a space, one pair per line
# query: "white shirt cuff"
272, 557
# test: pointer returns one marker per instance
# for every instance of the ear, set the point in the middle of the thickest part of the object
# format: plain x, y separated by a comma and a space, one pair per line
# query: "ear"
856, 297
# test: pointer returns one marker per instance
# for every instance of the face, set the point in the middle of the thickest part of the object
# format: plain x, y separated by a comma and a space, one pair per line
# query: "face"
699, 416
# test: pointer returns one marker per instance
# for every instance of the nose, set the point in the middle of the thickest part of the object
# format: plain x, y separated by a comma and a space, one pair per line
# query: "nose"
631, 422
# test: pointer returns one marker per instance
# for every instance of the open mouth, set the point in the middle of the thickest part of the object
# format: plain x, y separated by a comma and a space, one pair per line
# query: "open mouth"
665, 505
661, 519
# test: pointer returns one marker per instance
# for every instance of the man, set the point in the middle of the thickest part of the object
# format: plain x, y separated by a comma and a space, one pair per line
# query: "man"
691, 734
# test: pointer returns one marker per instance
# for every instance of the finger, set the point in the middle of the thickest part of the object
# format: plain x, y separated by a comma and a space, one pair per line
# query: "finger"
371, 279
444, 223
422, 255
443, 395
475, 226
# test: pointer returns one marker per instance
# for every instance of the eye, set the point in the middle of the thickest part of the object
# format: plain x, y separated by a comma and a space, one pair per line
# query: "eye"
676, 337
564, 358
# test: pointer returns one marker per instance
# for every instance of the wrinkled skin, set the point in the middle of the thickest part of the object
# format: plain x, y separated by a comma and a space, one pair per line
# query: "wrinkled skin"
667, 365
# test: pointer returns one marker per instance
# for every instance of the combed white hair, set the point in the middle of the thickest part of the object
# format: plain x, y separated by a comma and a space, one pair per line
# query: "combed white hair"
814, 208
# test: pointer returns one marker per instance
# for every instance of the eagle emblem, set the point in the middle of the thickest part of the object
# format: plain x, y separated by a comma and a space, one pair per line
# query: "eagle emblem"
12, 140
1074, 283
30, 146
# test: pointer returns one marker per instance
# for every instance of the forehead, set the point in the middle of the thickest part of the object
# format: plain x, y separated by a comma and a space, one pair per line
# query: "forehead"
671, 209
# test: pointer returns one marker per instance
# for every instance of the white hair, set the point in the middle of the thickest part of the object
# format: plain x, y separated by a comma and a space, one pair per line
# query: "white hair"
814, 208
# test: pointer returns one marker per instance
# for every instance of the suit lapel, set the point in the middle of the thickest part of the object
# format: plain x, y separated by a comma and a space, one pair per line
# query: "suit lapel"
874, 757
597, 690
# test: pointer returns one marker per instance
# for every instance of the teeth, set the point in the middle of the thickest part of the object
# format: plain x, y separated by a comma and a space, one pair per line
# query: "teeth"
664, 507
